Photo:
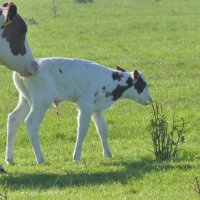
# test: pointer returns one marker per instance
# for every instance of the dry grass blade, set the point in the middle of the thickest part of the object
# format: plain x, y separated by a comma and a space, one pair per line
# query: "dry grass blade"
197, 186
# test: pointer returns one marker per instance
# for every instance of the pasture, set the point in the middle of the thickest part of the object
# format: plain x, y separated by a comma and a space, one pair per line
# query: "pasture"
161, 38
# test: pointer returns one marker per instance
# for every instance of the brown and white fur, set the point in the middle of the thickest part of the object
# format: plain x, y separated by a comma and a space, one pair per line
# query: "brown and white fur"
15, 52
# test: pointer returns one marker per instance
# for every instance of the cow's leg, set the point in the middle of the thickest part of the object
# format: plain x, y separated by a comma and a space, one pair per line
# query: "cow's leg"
14, 120
83, 124
102, 130
33, 122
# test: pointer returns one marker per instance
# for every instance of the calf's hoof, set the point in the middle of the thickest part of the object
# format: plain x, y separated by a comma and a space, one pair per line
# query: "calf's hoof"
2, 171
10, 161
107, 154
76, 157
41, 162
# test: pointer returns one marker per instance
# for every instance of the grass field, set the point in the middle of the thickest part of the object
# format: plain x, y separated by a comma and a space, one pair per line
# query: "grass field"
160, 38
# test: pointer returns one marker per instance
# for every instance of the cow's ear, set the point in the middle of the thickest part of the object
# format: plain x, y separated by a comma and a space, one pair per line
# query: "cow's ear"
135, 74
5, 4
120, 69
12, 11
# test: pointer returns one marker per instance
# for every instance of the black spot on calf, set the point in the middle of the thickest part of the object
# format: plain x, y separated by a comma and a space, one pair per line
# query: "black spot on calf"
140, 85
117, 76
104, 88
120, 89
15, 32
129, 81
107, 93
60, 70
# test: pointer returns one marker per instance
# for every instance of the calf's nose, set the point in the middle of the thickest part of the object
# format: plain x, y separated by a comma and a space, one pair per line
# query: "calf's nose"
149, 101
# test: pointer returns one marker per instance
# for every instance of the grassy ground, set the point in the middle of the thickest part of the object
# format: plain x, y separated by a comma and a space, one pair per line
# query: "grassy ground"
160, 38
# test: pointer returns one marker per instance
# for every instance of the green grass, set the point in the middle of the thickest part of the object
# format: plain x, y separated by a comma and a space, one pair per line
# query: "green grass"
160, 38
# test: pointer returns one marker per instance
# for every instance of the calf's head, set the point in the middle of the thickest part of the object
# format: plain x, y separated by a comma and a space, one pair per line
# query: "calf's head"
139, 91
135, 88
15, 52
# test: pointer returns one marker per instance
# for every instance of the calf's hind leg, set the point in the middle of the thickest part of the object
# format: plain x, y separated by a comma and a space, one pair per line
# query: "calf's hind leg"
15, 118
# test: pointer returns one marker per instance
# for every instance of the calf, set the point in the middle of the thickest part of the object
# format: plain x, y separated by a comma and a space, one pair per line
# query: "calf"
92, 87
15, 52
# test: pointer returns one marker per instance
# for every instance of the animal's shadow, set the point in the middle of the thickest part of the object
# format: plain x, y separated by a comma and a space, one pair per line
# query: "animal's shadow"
131, 170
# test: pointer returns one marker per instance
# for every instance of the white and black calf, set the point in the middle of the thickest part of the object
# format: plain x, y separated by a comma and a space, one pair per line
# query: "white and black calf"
15, 52
91, 86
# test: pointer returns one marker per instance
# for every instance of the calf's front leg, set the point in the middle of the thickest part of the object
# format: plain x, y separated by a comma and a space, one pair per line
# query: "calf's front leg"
32, 123
102, 130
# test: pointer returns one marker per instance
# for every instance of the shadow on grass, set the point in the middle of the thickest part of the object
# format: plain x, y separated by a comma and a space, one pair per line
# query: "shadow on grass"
131, 170
84, 1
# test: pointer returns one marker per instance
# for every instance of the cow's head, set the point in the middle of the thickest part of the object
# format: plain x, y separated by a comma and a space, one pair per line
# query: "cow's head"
140, 89
15, 52
135, 88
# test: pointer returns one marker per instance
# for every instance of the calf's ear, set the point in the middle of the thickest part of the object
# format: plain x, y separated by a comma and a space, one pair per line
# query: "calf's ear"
135, 74
12, 11
120, 69
5, 4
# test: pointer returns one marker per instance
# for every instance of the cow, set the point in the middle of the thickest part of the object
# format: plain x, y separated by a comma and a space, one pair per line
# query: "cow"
15, 52
46, 81
91, 86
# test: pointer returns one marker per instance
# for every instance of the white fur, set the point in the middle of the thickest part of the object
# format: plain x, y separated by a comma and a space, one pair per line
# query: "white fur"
85, 83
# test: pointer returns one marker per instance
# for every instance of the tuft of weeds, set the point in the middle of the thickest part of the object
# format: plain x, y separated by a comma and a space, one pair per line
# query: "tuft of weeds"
31, 21
54, 9
166, 140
